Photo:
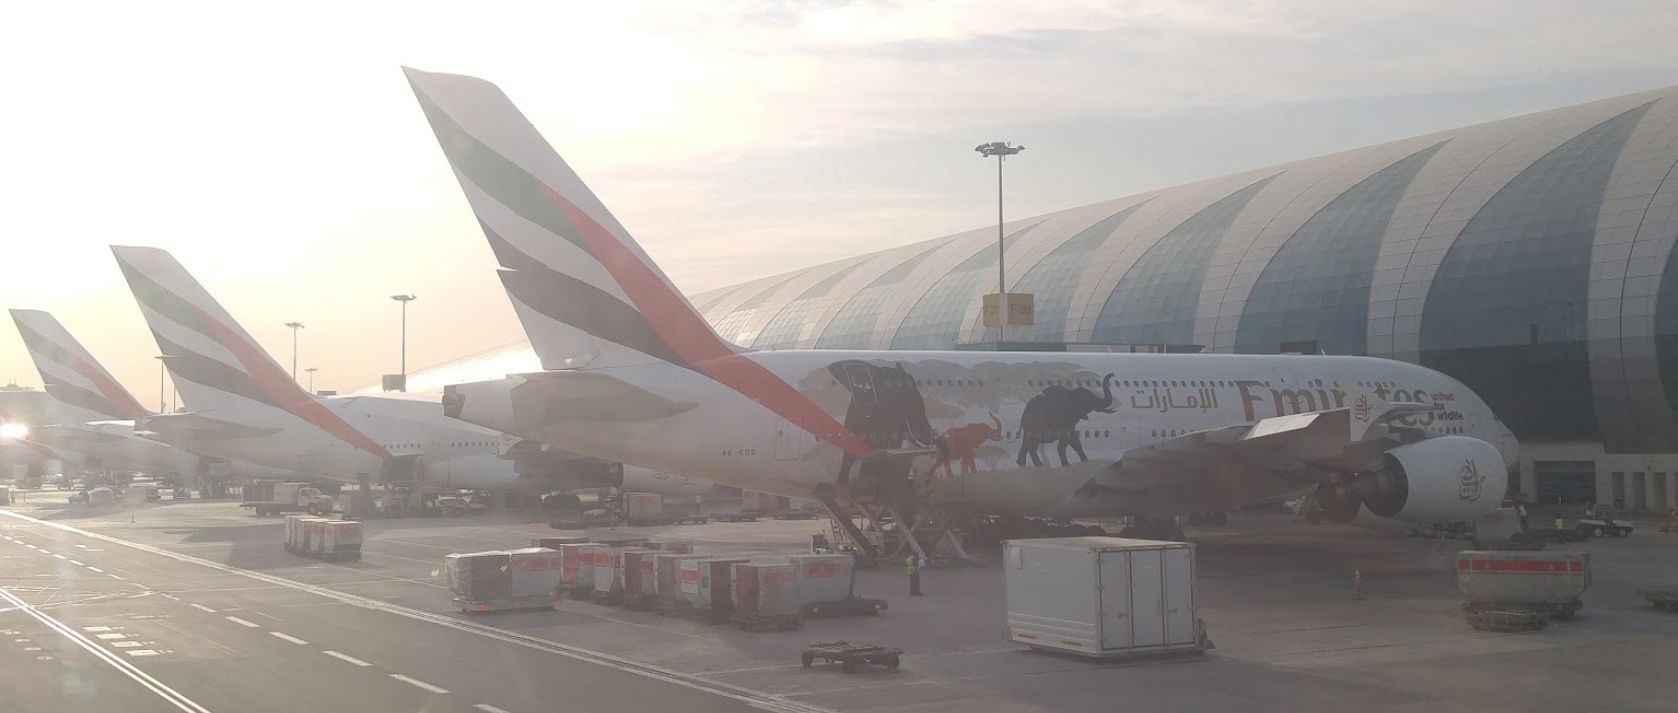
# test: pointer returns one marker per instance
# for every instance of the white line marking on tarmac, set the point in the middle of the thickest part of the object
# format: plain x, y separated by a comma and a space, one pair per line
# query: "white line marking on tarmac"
92, 568
241, 622
62, 557
200, 607
141, 652
108, 637
96, 628
758, 699
141, 677
287, 637
125, 644
487, 708
78, 564
347, 658
419, 684
117, 577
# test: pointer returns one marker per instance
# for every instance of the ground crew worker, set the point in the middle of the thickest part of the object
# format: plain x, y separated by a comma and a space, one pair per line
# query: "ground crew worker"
696, 504
913, 564
1559, 524
1521, 510
1590, 511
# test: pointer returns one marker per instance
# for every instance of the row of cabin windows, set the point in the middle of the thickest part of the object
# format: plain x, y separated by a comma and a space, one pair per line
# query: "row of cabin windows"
1010, 435
456, 444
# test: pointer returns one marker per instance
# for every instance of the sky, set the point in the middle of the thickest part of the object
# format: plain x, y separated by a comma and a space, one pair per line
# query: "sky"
276, 150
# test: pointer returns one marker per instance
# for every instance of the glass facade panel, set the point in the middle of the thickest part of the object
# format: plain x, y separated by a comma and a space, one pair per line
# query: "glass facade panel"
730, 326
935, 321
1155, 301
1316, 288
853, 324
782, 331
1052, 280
1505, 313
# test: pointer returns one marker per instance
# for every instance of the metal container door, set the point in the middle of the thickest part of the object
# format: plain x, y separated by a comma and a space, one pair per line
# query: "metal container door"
1113, 572
1147, 605
1178, 578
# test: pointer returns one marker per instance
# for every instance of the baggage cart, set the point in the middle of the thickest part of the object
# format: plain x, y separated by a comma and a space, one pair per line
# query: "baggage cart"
850, 656
707, 587
640, 578
610, 574
576, 563
535, 572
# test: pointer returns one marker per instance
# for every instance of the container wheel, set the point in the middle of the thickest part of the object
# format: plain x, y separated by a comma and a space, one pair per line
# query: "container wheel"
891, 663
807, 659
849, 665
1596, 531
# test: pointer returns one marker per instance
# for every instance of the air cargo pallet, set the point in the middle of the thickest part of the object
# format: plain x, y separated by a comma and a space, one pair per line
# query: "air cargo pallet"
1504, 620
1660, 599
1549, 610
787, 622
854, 606
849, 656
501, 605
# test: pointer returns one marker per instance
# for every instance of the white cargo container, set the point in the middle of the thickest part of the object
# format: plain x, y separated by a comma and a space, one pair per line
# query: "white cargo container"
577, 564
1102, 596
609, 574
709, 583
824, 579
667, 583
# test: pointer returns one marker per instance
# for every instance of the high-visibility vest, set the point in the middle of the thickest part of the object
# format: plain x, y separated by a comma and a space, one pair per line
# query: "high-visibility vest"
1521, 509
911, 563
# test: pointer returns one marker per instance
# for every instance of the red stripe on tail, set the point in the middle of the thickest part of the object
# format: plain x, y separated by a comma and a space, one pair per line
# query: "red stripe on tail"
691, 338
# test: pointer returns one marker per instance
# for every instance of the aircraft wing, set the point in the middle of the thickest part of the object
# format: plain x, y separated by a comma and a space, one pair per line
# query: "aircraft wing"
1298, 448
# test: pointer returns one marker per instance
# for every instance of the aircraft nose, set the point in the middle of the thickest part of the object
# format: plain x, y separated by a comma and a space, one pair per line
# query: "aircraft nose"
1508, 445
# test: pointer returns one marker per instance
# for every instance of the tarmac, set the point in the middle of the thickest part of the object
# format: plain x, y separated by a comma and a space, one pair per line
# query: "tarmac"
195, 606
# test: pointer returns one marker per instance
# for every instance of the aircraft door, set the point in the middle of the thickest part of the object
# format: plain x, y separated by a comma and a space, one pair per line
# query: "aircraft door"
791, 440
1130, 432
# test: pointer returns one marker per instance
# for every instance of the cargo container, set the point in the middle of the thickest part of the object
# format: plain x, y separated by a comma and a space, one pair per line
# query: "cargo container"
479, 576
639, 573
1102, 596
707, 584
294, 533
609, 573
576, 563
824, 579
766, 596
643, 508
5, 495
535, 572
1544, 582
340, 540
667, 574
314, 530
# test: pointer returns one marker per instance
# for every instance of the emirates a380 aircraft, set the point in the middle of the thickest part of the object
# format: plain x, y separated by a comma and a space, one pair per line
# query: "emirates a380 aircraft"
243, 406
633, 373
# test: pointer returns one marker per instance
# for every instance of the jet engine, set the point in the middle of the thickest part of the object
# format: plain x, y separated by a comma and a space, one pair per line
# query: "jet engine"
1433, 481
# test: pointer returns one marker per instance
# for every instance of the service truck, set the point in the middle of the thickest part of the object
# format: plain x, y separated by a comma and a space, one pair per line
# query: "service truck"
272, 498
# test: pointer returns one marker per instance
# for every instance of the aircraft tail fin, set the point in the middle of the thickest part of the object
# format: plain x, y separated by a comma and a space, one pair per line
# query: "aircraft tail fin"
214, 361
586, 293
70, 374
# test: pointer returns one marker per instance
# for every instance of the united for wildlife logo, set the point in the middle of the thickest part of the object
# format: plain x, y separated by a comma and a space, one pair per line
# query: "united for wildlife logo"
1470, 481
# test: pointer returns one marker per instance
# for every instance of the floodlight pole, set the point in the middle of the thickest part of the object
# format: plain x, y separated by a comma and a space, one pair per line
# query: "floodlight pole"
1001, 150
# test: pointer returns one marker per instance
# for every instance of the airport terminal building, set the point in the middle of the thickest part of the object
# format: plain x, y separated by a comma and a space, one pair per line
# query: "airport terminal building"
1532, 258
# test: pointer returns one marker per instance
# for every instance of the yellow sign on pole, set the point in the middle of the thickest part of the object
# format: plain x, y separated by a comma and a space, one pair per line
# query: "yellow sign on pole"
1021, 310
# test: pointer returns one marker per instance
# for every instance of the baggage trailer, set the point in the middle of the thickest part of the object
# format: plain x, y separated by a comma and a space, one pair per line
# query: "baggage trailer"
576, 561
1103, 597
849, 656
1544, 584
611, 573
667, 582
340, 541
1659, 598
827, 586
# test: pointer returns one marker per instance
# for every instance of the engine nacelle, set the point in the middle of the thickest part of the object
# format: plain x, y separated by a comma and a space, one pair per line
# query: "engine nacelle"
1435, 481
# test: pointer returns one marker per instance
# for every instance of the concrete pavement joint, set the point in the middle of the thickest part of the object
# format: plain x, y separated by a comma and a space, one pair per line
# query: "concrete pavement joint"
757, 699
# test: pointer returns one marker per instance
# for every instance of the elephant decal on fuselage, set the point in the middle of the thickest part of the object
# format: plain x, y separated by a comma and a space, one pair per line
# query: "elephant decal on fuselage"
1053, 416
886, 408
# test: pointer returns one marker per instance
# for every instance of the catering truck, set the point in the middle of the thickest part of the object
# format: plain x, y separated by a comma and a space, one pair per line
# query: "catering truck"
273, 498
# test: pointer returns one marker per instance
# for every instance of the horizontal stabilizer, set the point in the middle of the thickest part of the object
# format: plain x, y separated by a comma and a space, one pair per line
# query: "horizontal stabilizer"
553, 397
174, 427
